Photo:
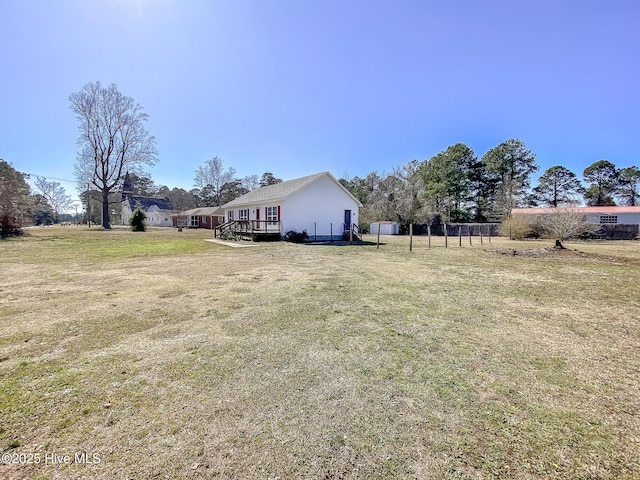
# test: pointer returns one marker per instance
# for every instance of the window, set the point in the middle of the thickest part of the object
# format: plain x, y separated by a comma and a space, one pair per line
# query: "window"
230, 215
272, 215
244, 214
608, 219
194, 221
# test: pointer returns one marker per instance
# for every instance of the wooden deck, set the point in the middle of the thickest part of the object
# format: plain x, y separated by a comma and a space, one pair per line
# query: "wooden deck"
255, 230
263, 230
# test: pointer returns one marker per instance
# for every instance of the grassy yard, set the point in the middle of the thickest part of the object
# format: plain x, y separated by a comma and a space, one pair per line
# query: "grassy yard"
170, 357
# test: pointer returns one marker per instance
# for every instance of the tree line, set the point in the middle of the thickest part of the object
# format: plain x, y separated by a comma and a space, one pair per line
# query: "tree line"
453, 185
213, 186
21, 205
457, 186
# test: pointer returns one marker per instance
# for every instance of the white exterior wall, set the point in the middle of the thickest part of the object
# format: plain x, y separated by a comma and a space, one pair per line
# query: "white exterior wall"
155, 216
322, 202
125, 213
623, 218
385, 228
158, 218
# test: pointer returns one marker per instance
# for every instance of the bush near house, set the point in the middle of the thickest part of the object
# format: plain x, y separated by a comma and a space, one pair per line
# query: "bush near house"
137, 220
516, 228
296, 237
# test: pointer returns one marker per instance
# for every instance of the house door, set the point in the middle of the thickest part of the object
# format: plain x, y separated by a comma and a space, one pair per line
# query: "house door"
347, 220
258, 218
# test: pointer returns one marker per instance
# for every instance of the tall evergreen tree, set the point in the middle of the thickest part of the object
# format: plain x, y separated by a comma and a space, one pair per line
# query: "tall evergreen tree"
558, 186
511, 165
629, 186
448, 182
603, 179
15, 200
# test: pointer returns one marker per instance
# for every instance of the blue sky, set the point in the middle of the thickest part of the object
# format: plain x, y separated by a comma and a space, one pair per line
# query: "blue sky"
300, 86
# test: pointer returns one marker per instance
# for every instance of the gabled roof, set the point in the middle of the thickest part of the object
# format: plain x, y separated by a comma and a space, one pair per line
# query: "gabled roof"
202, 211
602, 210
146, 202
281, 191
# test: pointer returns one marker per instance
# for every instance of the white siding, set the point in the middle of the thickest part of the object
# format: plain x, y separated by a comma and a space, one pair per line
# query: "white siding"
385, 228
322, 202
155, 216
623, 218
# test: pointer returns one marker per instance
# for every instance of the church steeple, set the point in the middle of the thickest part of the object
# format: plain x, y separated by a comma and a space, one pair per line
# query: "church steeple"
127, 187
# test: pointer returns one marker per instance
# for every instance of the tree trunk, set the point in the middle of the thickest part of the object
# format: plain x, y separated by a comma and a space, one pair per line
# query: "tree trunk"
106, 220
559, 245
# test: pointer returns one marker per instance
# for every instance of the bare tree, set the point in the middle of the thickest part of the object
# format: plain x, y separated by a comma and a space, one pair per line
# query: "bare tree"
251, 182
112, 139
565, 223
54, 193
210, 178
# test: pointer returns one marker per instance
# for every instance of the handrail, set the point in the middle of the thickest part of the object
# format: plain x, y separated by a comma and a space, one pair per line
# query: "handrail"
356, 231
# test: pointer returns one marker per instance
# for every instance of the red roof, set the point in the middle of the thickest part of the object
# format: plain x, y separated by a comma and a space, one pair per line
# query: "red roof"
602, 210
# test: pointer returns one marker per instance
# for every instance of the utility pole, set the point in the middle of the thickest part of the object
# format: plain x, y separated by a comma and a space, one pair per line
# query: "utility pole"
88, 207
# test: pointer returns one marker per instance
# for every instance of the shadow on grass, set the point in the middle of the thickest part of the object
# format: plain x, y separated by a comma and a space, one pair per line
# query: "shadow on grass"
342, 243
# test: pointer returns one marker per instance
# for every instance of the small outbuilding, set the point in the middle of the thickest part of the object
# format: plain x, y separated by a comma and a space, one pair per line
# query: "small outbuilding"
386, 228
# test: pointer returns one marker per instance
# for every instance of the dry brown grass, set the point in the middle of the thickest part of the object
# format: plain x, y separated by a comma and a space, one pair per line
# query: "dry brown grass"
172, 357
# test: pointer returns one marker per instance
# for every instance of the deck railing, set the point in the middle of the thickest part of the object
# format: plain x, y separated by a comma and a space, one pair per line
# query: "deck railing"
249, 227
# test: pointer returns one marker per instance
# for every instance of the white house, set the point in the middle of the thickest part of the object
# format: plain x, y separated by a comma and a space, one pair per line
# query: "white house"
157, 210
599, 215
318, 203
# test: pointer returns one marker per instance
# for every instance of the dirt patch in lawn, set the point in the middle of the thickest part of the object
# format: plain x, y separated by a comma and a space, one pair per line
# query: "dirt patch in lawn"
551, 252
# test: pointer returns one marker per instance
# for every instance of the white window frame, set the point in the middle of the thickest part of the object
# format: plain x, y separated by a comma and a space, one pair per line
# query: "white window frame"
243, 214
608, 219
272, 215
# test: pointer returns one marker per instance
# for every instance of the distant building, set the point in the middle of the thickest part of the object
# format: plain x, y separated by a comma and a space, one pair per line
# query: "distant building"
201, 217
599, 215
157, 210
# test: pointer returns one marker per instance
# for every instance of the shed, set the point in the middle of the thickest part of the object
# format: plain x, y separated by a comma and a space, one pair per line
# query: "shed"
386, 228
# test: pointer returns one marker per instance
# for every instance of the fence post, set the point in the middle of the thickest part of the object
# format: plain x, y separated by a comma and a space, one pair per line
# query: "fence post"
351, 234
411, 237
481, 242
378, 242
331, 232
459, 235
489, 233
469, 232
315, 231
429, 234
446, 239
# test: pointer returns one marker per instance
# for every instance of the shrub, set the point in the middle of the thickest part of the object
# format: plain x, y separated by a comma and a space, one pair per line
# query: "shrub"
227, 235
296, 237
516, 228
565, 224
137, 221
